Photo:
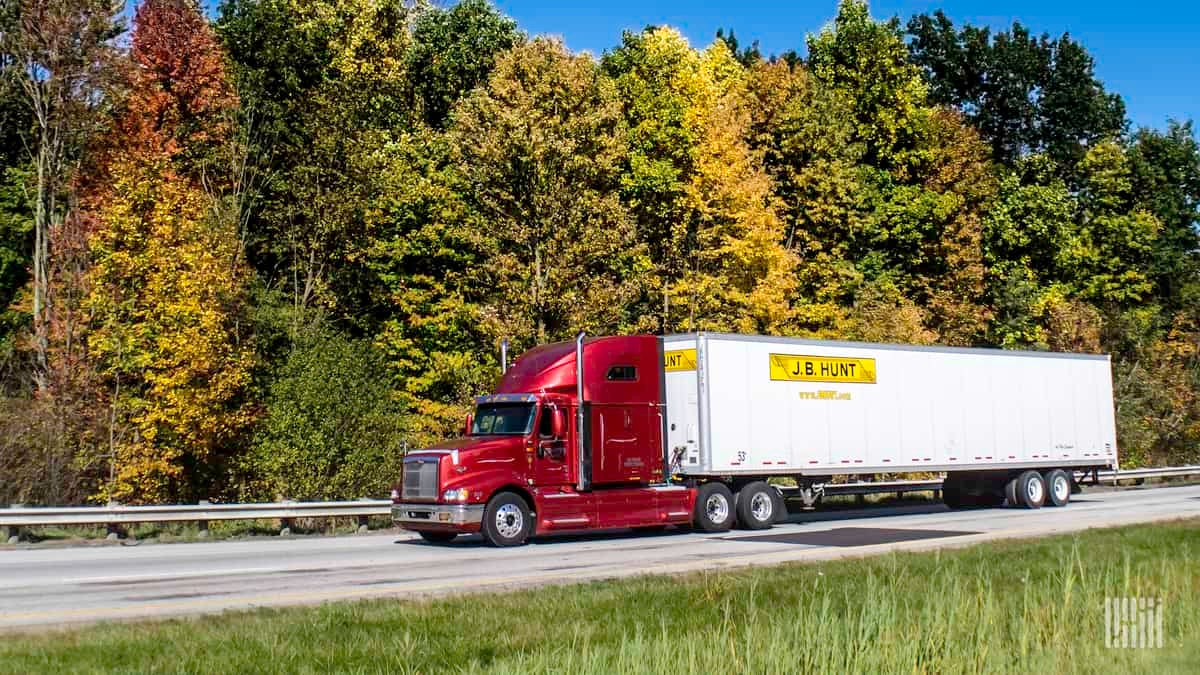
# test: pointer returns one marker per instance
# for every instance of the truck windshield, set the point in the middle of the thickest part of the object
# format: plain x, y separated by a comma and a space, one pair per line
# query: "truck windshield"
503, 418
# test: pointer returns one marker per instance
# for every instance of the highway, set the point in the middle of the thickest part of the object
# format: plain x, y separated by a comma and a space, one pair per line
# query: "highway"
42, 587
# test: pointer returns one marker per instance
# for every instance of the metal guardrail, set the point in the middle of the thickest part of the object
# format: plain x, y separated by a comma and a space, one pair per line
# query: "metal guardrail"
1161, 472
113, 517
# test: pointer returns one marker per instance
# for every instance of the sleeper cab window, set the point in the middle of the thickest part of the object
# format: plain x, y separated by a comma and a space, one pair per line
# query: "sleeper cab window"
622, 374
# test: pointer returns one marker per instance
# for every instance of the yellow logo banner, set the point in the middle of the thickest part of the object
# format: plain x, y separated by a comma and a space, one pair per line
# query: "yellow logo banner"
789, 368
680, 359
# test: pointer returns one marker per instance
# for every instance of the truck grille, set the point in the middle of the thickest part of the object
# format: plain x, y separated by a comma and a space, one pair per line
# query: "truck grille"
420, 479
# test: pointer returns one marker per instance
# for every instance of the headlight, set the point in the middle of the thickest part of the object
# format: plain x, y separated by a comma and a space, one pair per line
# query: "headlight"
459, 495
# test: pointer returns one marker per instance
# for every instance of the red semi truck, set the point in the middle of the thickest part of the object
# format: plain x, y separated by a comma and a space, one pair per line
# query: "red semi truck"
650, 431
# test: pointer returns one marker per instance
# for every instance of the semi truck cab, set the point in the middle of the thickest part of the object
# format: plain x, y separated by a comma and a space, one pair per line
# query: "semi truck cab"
573, 438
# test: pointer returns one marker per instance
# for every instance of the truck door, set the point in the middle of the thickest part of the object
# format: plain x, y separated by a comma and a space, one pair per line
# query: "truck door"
550, 466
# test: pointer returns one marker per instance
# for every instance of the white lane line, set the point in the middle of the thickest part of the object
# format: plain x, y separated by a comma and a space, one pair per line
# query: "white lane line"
170, 576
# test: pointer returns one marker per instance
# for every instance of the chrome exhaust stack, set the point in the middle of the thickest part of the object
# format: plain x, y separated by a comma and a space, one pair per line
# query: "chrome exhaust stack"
582, 428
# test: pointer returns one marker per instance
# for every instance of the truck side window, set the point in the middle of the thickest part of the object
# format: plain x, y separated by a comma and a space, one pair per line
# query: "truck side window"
545, 424
622, 374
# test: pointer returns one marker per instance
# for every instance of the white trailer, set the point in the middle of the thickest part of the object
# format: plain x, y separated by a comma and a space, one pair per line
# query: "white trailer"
1002, 424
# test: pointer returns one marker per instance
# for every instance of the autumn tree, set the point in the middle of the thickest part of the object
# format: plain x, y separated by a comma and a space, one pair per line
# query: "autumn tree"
698, 192
168, 277
741, 276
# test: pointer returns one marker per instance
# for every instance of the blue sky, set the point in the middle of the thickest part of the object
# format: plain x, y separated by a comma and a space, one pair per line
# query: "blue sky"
1149, 52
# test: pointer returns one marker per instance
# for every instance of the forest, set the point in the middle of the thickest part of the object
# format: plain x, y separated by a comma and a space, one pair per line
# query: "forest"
257, 252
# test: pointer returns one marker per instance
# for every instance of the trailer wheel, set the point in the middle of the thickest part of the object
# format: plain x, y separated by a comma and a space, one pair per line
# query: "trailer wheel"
757, 506
1031, 490
1058, 488
714, 508
506, 521
438, 537
1011, 491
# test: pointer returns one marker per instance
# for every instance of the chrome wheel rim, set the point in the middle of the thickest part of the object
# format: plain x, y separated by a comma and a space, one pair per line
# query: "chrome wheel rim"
509, 521
716, 507
1062, 488
761, 506
1035, 491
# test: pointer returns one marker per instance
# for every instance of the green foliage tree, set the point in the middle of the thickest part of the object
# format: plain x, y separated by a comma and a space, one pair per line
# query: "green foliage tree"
1024, 93
453, 52
805, 132
60, 53
539, 152
1166, 183
333, 427
868, 61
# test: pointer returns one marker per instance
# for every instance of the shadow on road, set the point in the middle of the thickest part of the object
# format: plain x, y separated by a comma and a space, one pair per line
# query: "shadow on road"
476, 541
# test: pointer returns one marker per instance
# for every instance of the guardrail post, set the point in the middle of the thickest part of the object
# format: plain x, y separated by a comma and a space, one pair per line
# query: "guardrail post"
115, 531
14, 531
202, 525
362, 524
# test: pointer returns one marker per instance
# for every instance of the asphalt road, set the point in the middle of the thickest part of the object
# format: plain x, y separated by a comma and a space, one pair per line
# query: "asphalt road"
43, 587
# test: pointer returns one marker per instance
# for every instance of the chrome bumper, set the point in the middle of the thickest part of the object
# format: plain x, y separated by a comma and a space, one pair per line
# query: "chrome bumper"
437, 514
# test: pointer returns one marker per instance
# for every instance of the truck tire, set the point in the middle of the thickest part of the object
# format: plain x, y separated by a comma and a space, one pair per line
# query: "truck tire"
1010, 492
757, 506
506, 520
1031, 490
1058, 487
714, 508
438, 537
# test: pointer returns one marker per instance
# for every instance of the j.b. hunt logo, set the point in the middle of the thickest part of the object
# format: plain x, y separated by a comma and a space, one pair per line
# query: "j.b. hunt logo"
1133, 623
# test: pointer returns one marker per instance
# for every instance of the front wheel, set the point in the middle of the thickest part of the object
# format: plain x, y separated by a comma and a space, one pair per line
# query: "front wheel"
714, 508
506, 520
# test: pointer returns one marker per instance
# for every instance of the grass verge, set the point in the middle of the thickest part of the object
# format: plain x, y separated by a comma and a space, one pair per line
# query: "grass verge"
1023, 606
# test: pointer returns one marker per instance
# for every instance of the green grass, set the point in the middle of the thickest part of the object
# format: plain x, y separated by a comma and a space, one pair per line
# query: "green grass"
1033, 606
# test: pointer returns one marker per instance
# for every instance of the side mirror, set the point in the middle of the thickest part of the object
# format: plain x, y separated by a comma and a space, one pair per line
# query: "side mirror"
470, 423
558, 422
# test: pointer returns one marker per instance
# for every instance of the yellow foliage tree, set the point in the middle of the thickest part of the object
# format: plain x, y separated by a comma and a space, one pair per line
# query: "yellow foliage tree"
740, 278
166, 291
